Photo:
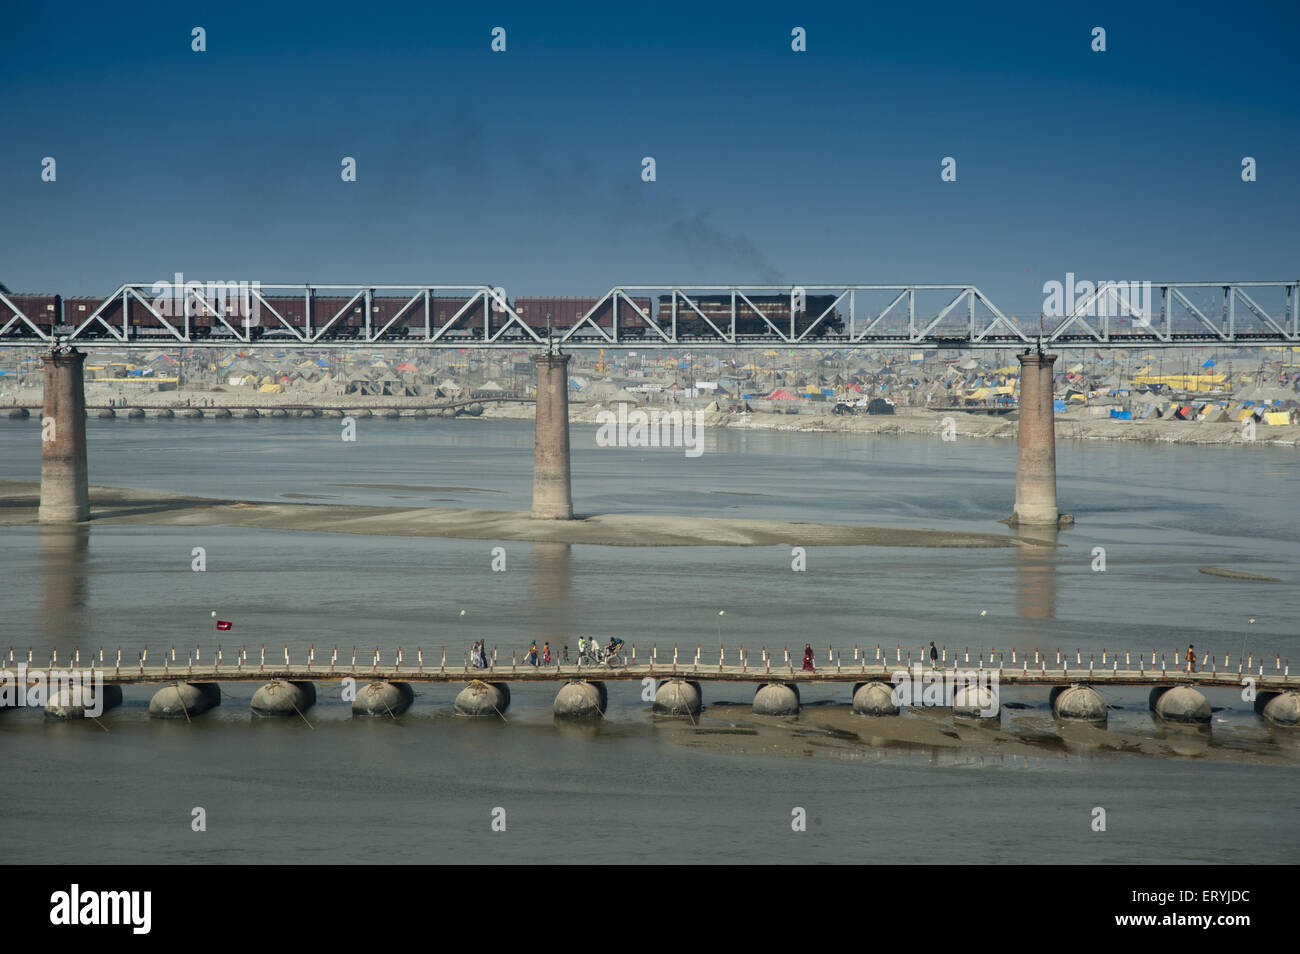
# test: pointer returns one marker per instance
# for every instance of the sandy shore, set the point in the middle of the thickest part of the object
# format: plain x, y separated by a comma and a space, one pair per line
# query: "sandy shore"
932, 735
920, 422
111, 505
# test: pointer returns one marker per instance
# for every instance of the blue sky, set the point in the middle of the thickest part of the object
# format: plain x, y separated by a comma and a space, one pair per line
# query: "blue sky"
523, 168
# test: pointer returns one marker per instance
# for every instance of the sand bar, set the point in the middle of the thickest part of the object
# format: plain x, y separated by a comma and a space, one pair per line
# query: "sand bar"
121, 506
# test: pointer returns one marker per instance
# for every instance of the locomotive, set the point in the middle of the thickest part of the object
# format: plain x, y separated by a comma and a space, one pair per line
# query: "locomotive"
749, 323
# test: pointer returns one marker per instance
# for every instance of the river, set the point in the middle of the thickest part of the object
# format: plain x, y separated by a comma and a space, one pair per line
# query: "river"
635, 788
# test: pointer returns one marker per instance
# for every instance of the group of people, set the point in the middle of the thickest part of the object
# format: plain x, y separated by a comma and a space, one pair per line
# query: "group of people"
478, 655
533, 658
589, 650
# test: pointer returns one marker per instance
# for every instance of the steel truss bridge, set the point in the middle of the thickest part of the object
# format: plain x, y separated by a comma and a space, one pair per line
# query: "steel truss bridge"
914, 317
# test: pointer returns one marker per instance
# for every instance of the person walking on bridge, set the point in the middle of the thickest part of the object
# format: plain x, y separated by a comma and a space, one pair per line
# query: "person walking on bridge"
934, 656
808, 657
1191, 658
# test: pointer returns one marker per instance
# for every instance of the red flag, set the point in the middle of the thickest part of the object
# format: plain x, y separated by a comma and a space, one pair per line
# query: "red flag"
223, 624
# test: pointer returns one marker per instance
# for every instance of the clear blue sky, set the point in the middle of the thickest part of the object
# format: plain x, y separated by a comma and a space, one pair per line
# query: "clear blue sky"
523, 168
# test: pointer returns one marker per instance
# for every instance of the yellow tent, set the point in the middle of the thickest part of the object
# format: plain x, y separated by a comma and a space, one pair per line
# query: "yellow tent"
272, 388
1278, 418
1184, 382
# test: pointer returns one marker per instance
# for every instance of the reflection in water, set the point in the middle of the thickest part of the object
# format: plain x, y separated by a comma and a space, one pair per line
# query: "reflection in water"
582, 730
1288, 738
552, 605
1036, 558
64, 587
1185, 739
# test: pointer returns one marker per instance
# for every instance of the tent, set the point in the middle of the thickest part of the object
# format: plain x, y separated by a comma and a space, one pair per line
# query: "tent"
780, 394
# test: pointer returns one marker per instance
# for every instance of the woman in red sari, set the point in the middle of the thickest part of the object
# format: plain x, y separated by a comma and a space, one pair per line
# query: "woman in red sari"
808, 657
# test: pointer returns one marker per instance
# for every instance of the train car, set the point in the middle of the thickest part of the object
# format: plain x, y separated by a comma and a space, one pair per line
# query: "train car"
398, 321
198, 313
469, 324
337, 320
292, 308
41, 310
562, 314
386, 313
77, 310
749, 323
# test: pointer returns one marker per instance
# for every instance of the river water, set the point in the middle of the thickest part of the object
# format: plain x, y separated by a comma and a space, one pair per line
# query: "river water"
635, 788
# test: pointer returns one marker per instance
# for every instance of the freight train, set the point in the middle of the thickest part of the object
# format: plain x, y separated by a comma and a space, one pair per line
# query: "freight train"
397, 317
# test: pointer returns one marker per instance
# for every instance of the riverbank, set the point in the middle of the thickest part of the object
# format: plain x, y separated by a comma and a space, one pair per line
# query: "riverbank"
920, 422
1074, 424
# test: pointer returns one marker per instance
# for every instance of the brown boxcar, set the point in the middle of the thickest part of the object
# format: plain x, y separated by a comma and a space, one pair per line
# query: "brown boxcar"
335, 318
468, 325
384, 308
77, 310
40, 310
564, 313
292, 308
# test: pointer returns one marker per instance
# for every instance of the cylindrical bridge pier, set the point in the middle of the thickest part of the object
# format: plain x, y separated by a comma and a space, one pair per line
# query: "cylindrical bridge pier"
1036, 444
65, 497
552, 497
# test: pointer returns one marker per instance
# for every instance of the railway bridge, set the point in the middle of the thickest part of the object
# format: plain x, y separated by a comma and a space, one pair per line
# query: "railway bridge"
255, 316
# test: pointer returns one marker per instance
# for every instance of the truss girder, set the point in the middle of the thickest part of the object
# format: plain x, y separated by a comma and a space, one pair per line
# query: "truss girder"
680, 316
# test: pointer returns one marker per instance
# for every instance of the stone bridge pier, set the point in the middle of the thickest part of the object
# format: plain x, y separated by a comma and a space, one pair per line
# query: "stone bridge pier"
64, 494
552, 496
1036, 445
